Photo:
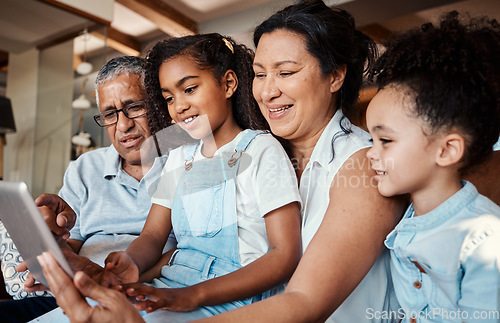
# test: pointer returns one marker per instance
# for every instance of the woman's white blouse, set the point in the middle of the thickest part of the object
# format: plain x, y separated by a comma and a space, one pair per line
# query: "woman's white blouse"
374, 298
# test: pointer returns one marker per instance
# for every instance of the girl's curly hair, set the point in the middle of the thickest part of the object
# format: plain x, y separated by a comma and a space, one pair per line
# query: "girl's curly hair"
452, 71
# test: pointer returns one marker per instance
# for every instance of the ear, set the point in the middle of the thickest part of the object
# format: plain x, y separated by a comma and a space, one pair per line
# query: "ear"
451, 150
230, 82
337, 78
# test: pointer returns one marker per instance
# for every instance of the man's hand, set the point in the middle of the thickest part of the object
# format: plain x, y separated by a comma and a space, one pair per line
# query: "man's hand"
58, 215
76, 263
79, 263
30, 284
113, 306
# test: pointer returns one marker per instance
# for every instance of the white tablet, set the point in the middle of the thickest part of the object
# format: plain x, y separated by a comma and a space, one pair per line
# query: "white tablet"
26, 227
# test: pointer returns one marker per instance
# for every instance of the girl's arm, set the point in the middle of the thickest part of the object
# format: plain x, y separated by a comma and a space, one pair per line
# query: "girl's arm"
155, 271
273, 268
341, 253
145, 251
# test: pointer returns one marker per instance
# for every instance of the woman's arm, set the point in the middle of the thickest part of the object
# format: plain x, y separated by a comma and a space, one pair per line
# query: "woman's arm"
273, 268
341, 253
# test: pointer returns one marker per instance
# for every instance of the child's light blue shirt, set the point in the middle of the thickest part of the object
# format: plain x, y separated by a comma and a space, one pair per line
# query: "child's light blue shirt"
446, 264
497, 145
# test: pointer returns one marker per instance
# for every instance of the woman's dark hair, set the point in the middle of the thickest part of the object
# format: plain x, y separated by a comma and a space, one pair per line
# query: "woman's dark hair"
453, 72
331, 37
210, 52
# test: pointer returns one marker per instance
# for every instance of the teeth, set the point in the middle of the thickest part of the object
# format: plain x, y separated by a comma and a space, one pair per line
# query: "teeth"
381, 172
281, 109
188, 120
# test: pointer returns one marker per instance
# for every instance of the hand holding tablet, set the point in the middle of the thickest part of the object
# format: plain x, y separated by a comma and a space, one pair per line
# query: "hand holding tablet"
27, 228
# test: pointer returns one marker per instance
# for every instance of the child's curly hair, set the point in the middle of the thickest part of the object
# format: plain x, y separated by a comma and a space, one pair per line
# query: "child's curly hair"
453, 71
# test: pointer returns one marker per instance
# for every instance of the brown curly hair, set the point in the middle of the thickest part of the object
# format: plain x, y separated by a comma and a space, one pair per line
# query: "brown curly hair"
453, 72
210, 52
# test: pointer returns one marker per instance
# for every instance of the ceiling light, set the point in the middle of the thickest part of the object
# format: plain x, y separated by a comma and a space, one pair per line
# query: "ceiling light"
81, 103
84, 68
81, 139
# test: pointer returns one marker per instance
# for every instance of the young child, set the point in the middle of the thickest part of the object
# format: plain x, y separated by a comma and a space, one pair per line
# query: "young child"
435, 116
231, 198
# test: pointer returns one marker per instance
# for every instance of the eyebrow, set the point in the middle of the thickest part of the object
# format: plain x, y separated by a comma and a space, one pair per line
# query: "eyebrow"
277, 64
180, 82
124, 104
381, 128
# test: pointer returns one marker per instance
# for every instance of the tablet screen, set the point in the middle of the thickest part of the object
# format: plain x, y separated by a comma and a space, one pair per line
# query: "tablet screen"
26, 227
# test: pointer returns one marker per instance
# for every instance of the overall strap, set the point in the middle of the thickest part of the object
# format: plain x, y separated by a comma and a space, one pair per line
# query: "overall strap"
243, 145
247, 139
189, 151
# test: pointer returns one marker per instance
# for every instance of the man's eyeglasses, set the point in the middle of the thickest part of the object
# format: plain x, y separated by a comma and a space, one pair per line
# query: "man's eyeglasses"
131, 111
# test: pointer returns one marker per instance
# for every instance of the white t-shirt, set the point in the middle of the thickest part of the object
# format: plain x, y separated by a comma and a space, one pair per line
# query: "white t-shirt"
265, 181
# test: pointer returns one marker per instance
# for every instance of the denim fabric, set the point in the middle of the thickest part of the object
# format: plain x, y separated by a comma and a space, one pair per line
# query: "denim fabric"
204, 219
25, 309
497, 145
446, 263
265, 182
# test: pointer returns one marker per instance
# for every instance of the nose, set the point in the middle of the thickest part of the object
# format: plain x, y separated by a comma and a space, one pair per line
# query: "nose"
124, 124
269, 90
180, 105
371, 154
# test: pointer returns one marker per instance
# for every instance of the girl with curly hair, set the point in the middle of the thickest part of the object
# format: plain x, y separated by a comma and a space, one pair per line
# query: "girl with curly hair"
231, 197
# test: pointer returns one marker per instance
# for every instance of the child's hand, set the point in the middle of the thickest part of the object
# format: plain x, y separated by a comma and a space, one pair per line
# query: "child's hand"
149, 298
119, 268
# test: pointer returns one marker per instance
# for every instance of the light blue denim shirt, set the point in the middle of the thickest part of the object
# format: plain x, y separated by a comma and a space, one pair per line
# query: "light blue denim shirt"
446, 264
111, 205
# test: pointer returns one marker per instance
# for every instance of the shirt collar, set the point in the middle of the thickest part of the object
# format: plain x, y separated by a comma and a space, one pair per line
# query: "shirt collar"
112, 162
323, 151
446, 210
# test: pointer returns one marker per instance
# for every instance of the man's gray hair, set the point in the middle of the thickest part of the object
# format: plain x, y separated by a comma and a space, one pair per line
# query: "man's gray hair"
117, 66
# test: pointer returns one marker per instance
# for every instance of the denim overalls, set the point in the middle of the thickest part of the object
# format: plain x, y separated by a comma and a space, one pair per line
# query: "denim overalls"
205, 222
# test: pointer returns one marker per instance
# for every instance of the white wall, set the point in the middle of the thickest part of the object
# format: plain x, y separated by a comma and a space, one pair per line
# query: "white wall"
240, 25
40, 86
22, 89
53, 118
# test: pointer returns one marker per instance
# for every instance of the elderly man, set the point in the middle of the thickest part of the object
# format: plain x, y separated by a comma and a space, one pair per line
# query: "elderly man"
108, 188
